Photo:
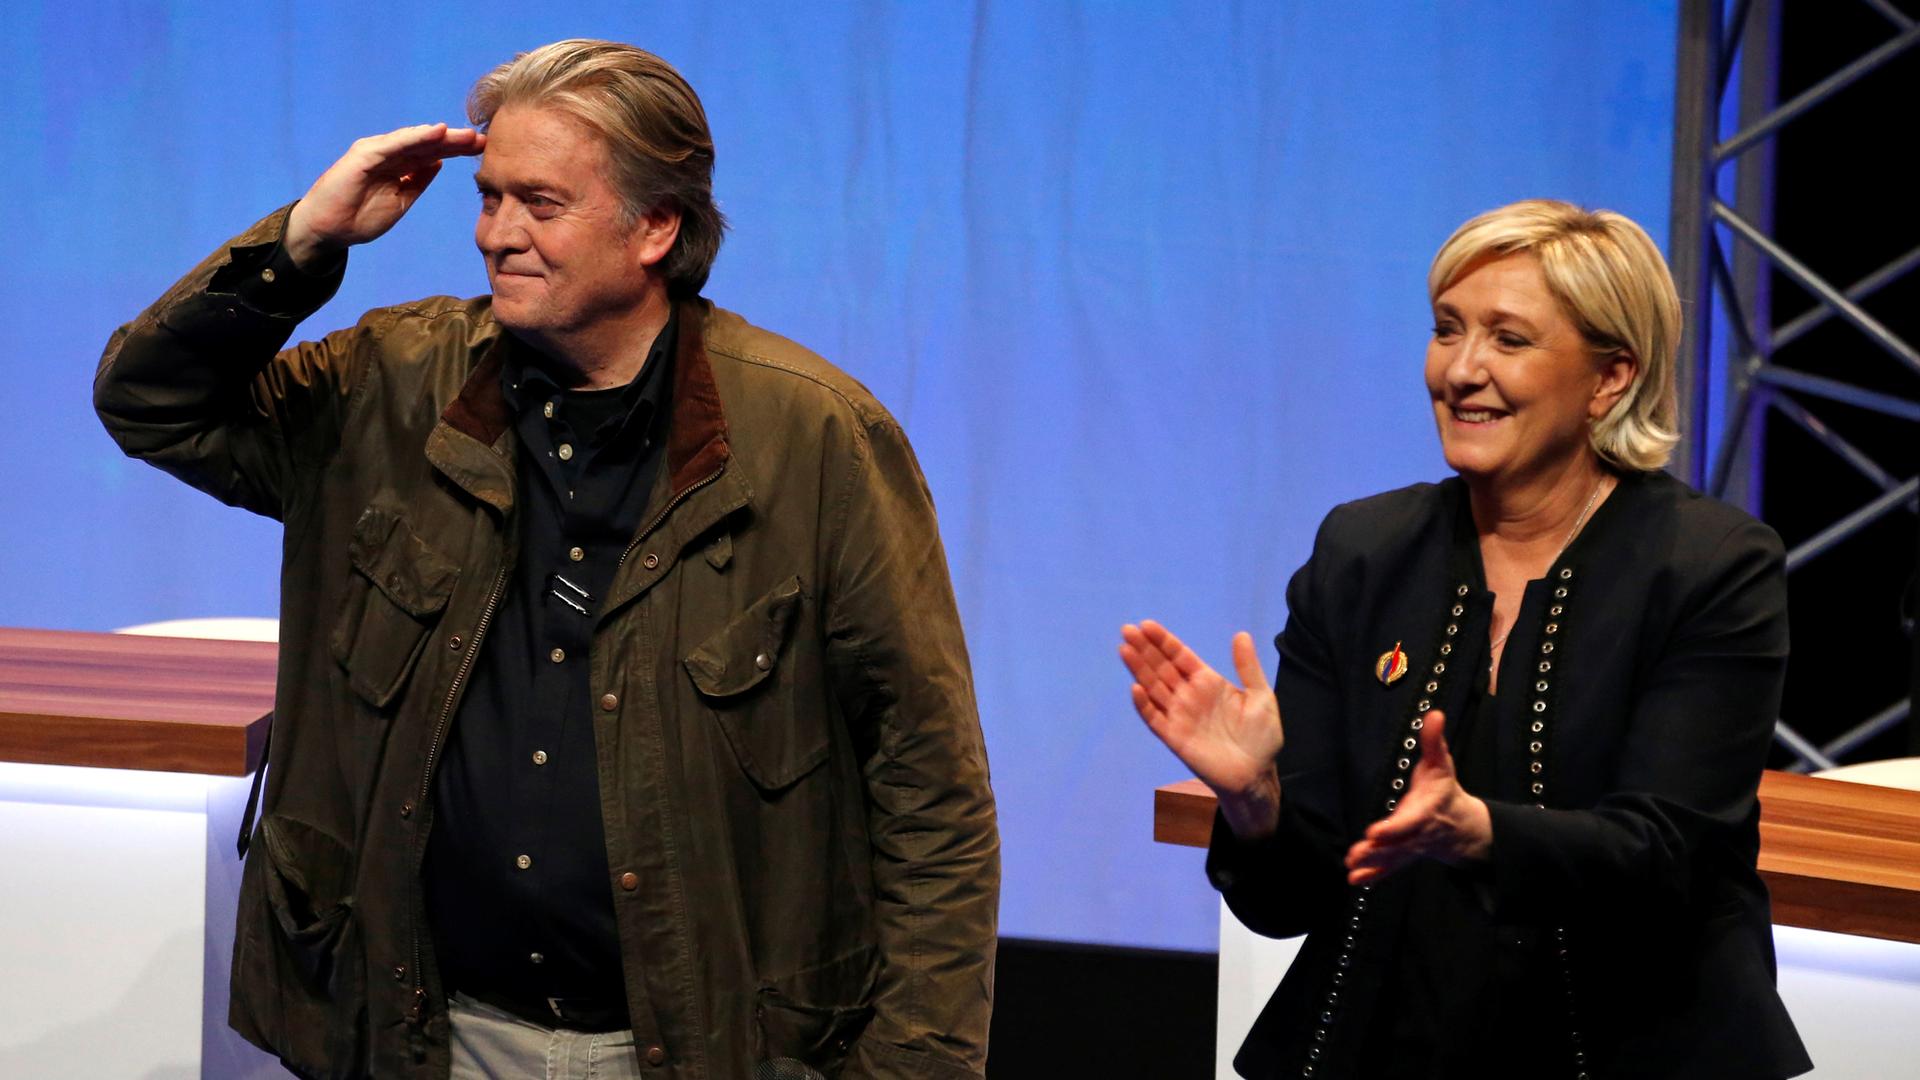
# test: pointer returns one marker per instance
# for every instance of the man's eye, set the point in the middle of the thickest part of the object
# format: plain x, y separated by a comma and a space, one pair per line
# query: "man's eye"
489, 202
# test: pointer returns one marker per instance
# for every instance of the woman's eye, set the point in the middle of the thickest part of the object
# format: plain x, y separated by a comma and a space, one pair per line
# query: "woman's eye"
1442, 330
1512, 341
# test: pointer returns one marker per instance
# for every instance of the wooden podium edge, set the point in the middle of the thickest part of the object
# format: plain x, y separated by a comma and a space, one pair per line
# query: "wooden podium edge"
1836, 856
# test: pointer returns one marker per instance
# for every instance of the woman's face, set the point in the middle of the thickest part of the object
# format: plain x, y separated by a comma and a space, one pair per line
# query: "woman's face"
1514, 383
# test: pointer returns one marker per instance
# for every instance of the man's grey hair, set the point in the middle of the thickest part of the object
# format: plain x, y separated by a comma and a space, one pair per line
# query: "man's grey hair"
655, 130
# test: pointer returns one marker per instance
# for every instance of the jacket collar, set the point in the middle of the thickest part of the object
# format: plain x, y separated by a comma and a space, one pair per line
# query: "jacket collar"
696, 432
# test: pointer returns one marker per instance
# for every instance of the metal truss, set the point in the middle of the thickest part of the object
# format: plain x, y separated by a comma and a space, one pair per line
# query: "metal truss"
1727, 114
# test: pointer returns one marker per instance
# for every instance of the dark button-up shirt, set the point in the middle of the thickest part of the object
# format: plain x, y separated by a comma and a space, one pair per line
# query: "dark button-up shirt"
518, 888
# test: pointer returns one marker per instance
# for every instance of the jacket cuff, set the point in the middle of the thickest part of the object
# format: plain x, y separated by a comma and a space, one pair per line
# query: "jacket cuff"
1520, 859
255, 297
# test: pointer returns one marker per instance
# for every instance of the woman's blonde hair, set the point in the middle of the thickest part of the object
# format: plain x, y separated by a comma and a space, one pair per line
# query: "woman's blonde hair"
1612, 283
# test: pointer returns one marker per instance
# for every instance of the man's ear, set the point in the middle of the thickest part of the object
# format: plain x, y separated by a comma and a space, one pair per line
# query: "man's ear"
653, 235
1616, 376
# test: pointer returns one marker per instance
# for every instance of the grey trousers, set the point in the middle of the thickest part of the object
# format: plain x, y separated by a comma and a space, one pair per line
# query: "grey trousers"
489, 1044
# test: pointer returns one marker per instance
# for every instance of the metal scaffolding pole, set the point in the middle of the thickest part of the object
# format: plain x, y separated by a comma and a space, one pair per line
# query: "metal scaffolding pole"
1727, 121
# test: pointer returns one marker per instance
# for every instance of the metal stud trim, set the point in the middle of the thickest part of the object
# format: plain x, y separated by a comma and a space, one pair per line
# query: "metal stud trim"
1402, 763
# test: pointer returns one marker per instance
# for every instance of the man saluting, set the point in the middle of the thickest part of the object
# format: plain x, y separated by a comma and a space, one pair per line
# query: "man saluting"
624, 721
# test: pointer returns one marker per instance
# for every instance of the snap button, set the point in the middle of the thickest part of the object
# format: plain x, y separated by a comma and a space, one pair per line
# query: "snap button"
267, 275
523, 861
557, 655
406, 809
576, 554
763, 661
656, 1055
454, 642
539, 757
629, 881
650, 561
609, 702
399, 973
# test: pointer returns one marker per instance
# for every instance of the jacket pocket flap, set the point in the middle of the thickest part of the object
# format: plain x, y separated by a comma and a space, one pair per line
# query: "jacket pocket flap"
747, 649
415, 577
309, 883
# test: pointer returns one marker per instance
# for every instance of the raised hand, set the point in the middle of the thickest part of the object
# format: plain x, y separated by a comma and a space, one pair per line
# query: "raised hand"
1436, 818
1228, 735
372, 186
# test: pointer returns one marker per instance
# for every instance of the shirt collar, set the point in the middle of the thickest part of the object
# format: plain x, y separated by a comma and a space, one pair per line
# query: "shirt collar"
526, 383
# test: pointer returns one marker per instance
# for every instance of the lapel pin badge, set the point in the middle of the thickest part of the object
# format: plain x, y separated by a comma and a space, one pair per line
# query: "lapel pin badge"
1391, 666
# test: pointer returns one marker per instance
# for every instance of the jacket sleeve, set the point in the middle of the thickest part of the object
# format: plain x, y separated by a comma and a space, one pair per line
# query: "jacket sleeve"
1696, 742
902, 678
1283, 884
196, 384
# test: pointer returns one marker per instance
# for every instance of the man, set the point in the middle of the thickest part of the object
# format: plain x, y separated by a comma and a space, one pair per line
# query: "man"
623, 718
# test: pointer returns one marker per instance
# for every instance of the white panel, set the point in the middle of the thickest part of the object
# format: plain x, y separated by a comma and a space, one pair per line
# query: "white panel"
1856, 1001
101, 940
1251, 967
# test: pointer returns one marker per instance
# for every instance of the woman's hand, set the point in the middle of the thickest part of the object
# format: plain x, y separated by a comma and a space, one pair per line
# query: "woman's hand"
1228, 735
1436, 818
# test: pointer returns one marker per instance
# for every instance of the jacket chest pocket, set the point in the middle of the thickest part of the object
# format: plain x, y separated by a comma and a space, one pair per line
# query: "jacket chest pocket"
739, 673
398, 588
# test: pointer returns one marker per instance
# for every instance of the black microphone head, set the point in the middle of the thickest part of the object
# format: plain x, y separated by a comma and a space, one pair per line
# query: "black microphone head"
785, 1069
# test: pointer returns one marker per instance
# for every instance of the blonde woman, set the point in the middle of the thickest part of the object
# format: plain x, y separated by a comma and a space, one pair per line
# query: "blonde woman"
1512, 802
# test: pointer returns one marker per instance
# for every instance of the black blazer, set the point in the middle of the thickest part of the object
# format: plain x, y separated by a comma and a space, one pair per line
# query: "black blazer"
1637, 699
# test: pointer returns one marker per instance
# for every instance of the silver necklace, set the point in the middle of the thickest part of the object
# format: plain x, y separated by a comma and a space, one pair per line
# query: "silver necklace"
1571, 533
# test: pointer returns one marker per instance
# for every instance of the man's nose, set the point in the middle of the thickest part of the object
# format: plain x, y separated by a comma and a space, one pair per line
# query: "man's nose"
500, 231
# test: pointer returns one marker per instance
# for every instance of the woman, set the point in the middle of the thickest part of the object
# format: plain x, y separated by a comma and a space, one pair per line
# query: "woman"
1526, 710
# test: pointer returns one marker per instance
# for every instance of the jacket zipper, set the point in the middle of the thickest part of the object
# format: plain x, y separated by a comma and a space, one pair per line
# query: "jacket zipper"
426, 776
685, 493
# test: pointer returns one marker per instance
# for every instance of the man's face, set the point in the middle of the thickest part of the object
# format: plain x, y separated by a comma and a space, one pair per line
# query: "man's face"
559, 258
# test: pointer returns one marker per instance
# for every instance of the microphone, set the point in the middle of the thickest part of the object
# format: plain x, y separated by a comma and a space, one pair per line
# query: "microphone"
786, 1069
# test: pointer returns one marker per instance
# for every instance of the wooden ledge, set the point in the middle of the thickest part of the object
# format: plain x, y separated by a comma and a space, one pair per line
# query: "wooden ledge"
1836, 856
123, 701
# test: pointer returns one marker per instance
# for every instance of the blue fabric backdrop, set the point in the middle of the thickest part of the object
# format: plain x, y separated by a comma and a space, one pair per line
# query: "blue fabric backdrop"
1144, 282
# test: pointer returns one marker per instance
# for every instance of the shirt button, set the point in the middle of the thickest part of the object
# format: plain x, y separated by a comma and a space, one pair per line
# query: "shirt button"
609, 702
557, 655
629, 881
523, 861
539, 757
656, 1055
566, 451
548, 410
536, 958
576, 554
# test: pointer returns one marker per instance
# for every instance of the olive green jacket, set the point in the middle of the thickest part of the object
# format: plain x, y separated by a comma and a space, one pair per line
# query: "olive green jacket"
801, 845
